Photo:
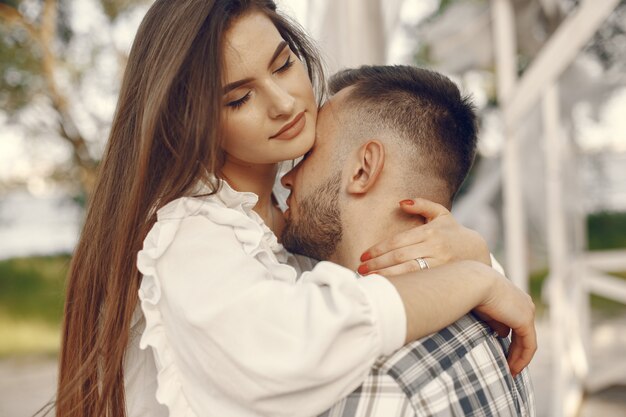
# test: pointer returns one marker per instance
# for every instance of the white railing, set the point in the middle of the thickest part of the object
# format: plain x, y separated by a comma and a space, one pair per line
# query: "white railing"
574, 274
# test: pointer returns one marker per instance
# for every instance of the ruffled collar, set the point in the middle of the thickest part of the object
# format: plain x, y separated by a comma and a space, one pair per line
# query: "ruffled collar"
243, 202
230, 197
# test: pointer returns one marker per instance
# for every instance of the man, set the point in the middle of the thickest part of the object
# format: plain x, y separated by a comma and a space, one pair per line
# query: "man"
389, 132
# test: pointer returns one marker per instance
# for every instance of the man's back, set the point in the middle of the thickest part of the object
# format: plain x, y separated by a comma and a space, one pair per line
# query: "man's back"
459, 371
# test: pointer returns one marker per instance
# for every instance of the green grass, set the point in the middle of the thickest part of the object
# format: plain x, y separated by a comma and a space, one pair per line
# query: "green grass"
606, 231
31, 304
606, 306
602, 305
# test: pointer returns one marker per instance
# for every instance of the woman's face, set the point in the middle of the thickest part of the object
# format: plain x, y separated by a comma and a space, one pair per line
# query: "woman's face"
269, 109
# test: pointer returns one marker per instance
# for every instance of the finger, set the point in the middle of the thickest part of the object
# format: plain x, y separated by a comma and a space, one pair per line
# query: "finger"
409, 237
396, 270
515, 358
522, 349
425, 208
522, 357
399, 256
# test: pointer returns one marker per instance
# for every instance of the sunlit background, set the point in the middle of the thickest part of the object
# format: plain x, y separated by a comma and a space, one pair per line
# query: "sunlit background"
548, 191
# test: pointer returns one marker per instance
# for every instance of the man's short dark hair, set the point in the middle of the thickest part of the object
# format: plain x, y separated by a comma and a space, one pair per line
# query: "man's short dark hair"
424, 107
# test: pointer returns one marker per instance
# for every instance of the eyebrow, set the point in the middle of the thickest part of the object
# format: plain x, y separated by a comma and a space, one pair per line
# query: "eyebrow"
229, 87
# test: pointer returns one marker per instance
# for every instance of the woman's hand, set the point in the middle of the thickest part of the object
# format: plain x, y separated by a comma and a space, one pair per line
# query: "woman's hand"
438, 297
439, 241
508, 307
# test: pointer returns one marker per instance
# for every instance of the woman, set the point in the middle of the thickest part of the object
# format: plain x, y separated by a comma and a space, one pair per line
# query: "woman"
202, 121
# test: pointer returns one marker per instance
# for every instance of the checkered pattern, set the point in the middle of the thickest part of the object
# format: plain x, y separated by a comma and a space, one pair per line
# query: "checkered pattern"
460, 371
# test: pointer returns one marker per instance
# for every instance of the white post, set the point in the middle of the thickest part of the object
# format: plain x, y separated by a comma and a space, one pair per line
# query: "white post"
505, 47
567, 387
556, 55
516, 97
506, 71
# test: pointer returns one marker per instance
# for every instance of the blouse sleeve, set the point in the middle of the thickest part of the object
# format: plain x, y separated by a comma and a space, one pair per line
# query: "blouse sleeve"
228, 326
496, 265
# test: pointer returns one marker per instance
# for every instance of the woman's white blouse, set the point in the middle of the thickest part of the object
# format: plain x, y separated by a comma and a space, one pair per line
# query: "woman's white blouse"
229, 326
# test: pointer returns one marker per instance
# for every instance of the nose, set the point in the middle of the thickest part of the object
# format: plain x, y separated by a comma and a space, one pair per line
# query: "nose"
282, 103
287, 179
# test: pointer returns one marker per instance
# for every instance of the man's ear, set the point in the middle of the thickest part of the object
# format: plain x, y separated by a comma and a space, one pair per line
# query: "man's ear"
367, 167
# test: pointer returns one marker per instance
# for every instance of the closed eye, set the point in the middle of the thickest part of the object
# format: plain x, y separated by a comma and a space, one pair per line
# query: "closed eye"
288, 64
239, 102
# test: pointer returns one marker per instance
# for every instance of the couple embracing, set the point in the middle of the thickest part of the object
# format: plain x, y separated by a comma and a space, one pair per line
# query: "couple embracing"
196, 290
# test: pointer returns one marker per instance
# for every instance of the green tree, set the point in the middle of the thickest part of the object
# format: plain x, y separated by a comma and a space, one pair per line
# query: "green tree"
36, 52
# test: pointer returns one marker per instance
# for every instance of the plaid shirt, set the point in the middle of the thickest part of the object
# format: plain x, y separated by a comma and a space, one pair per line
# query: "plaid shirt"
460, 371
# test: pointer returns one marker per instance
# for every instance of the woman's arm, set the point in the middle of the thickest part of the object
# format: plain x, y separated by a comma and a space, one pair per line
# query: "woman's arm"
227, 325
435, 298
441, 240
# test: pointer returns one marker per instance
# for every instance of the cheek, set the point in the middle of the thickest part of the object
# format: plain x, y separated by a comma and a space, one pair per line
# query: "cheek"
306, 180
240, 129
302, 84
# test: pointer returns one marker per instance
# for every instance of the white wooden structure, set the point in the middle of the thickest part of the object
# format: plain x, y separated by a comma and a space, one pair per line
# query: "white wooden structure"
574, 273
356, 32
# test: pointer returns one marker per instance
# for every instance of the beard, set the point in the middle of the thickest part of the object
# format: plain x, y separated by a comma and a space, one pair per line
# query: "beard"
317, 231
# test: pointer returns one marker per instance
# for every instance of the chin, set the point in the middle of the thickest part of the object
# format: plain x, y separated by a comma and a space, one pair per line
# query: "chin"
298, 148
305, 142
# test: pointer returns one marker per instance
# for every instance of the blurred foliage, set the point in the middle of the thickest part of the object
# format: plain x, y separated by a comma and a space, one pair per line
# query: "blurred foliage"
12, 3
601, 306
422, 55
115, 8
65, 32
534, 26
20, 55
609, 43
37, 50
535, 283
443, 6
606, 230
20, 72
31, 304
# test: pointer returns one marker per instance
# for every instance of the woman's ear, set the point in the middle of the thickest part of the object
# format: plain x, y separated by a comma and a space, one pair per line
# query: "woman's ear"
369, 163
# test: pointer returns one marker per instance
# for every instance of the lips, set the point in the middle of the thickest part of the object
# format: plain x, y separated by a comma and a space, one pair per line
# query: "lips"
287, 212
291, 129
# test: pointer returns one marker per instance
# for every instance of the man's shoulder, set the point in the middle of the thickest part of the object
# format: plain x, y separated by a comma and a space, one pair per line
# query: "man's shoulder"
378, 396
419, 362
460, 370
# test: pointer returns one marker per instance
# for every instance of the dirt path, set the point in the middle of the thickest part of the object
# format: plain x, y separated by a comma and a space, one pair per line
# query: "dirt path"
26, 384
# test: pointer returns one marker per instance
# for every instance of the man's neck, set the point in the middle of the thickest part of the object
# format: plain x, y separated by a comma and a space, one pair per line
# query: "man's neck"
368, 224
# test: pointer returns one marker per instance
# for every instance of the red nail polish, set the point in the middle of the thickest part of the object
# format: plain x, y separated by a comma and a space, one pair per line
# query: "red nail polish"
363, 269
407, 202
366, 256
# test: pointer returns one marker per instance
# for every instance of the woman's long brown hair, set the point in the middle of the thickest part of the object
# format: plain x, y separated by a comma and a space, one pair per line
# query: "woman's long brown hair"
163, 140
